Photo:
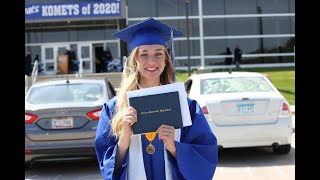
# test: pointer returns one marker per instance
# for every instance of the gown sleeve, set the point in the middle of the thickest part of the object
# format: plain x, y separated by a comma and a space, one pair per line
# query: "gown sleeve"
197, 151
106, 145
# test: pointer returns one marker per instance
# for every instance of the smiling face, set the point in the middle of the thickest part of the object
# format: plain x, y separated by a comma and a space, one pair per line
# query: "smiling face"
151, 63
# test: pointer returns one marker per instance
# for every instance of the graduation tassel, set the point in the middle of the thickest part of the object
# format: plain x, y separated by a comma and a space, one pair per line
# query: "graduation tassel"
172, 55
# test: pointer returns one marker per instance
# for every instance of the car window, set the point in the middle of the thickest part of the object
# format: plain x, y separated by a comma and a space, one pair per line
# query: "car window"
81, 92
111, 92
234, 84
188, 85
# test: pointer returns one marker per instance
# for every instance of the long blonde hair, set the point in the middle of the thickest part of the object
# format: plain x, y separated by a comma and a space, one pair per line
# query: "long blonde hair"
129, 82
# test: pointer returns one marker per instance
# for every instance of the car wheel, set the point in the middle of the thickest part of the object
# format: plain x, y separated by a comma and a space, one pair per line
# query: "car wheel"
282, 149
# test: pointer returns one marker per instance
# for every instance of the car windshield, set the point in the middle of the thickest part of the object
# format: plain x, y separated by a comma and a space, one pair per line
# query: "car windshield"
62, 93
234, 85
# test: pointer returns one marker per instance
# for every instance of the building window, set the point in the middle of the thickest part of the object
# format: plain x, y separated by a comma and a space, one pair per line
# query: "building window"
214, 27
161, 8
292, 25
242, 26
276, 25
180, 25
274, 6
278, 45
54, 36
94, 34
213, 7
181, 47
136, 8
292, 7
214, 46
241, 7
248, 46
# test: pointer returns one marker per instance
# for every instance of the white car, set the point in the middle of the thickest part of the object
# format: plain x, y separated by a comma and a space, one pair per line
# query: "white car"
243, 109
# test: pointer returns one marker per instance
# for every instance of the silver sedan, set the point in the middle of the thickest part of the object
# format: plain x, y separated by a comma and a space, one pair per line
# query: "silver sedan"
61, 118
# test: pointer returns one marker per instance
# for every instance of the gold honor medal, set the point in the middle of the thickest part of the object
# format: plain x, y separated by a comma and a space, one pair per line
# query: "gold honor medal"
150, 148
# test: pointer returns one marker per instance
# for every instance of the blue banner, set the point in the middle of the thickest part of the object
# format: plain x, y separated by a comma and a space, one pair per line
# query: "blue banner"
109, 8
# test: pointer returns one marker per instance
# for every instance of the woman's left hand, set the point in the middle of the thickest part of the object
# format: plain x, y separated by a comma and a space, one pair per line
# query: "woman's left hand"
166, 134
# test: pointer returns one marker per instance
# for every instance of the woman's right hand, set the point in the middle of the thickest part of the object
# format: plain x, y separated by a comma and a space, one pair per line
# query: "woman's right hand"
128, 119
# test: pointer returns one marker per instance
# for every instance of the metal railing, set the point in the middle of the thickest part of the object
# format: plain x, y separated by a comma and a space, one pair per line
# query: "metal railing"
34, 73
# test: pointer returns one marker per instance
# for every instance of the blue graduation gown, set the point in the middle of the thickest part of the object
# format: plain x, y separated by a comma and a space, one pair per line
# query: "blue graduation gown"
196, 153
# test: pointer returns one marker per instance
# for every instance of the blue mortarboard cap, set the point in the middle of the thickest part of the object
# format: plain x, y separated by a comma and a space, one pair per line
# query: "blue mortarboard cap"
147, 32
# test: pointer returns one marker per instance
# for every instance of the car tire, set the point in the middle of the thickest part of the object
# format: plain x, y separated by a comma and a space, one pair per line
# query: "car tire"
282, 149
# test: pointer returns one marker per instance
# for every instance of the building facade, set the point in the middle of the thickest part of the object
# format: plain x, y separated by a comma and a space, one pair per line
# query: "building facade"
263, 29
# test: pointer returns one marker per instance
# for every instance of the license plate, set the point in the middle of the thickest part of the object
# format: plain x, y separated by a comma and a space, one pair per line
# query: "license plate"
245, 108
62, 123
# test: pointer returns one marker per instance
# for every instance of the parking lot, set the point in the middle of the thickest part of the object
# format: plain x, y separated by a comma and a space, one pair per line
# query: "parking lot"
256, 163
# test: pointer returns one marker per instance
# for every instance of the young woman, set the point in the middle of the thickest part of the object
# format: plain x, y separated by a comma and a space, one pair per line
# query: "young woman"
169, 153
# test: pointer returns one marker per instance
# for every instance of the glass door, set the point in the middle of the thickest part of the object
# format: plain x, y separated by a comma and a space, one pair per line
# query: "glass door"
85, 58
48, 59
49, 55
